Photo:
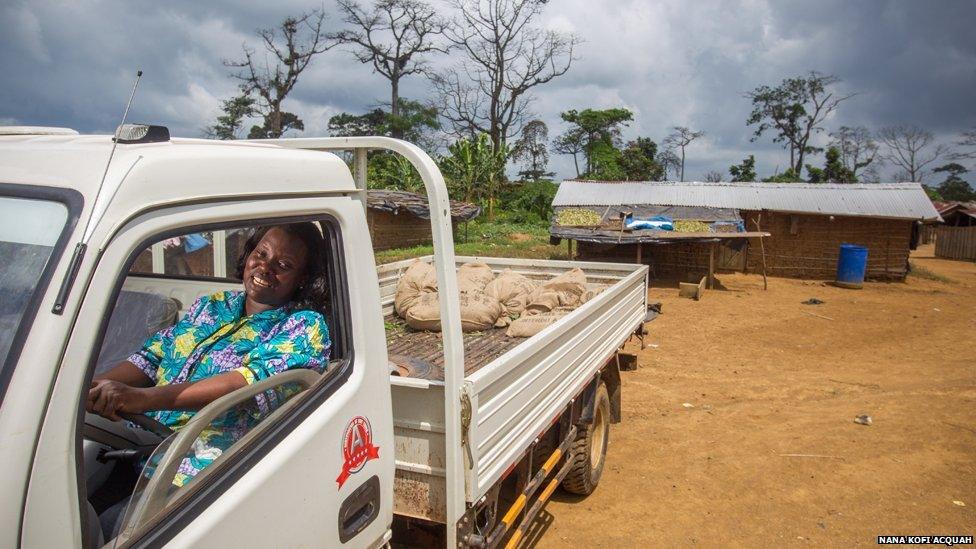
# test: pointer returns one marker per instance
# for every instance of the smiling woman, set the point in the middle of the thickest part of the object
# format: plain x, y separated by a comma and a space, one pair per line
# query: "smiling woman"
225, 341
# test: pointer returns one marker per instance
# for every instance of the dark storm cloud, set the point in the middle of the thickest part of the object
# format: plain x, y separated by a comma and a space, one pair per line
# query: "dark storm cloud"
672, 62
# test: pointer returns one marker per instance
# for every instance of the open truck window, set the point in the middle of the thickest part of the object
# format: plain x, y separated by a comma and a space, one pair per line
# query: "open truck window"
180, 317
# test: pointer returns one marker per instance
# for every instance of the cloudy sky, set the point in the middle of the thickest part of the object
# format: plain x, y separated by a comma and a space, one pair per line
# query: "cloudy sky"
672, 62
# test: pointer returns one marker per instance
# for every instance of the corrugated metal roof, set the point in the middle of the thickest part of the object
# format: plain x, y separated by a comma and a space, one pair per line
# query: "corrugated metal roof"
889, 200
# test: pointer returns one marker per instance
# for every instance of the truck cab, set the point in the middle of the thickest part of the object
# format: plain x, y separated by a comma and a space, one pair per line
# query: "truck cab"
78, 251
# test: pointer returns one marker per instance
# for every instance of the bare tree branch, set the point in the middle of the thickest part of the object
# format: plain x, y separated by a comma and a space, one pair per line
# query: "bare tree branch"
292, 46
908, 147
506, 57
394, 36
680, 138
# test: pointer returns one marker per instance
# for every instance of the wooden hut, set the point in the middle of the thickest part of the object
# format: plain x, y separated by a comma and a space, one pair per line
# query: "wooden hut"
399, 219
803, 225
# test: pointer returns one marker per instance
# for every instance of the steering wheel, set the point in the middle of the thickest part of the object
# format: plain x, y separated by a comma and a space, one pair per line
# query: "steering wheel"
148, 424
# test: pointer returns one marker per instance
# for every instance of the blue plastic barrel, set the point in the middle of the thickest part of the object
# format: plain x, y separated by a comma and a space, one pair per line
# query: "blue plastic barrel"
851, 265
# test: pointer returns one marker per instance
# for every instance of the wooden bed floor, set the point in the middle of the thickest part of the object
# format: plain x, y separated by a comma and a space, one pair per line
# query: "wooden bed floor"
424, 351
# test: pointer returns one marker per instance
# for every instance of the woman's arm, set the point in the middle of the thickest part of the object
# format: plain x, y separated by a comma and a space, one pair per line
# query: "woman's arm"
107, 398
127, 373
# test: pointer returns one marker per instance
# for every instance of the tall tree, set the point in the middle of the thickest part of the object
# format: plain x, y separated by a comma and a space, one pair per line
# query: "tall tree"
746, 171
967, 142
532, 150
290, 48
833, 170
394, 36
229, 124
506, 55
597, 130
955, 187
639, 161
858, 149
795, 110
910, 148
679, 139
572, 142
670, 164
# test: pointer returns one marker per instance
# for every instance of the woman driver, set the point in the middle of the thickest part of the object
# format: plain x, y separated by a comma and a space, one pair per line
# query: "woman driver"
228, 340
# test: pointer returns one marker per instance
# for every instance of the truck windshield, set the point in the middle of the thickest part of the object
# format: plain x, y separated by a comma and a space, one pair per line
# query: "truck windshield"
29, 230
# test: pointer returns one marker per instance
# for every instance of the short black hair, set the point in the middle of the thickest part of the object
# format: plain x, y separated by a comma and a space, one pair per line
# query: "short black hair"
313, 295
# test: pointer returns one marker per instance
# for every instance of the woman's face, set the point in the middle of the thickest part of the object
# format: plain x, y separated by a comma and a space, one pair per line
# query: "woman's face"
275, 268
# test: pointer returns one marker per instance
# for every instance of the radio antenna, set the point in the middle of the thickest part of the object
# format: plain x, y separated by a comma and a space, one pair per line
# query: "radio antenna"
82, 246
115, 139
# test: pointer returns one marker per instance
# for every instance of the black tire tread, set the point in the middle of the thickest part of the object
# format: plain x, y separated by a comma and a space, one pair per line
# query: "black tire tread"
579, 480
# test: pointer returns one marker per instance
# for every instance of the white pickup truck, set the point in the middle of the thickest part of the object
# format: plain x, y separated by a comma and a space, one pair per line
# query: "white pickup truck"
462, 450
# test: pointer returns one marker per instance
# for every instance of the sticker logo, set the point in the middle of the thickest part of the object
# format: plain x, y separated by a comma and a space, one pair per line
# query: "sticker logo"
357, 448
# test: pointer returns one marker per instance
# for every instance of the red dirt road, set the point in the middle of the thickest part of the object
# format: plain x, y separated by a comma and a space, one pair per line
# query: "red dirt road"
764, 379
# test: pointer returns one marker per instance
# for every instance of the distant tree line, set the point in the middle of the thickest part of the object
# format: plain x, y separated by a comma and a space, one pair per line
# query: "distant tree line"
479, 117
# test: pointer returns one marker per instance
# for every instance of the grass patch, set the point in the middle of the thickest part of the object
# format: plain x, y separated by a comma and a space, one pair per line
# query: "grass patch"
498, 238
919, 271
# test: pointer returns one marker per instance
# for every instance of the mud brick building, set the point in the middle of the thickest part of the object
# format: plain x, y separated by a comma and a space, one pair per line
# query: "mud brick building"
796, 229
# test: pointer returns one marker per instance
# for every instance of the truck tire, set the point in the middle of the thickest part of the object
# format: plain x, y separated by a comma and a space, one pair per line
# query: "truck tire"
589, 450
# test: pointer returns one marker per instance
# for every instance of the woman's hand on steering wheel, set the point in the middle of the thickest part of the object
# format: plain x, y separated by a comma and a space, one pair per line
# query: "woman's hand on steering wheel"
110, 398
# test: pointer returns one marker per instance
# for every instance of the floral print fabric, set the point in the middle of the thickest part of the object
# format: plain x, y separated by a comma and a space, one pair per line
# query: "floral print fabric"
216, 337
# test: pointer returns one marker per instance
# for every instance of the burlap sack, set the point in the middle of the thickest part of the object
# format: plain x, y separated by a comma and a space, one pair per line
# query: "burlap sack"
512, 291
425, 313
418, 279
478, 312
473, 277
564, 290
529, 325
590, 293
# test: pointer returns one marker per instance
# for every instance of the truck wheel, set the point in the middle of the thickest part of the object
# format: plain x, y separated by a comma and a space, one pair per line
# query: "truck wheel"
589, 450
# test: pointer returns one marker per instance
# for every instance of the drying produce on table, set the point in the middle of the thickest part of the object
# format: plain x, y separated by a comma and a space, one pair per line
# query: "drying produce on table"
578, 216
688, 226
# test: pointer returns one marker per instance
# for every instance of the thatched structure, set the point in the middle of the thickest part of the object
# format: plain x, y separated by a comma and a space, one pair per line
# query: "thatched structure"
399, 219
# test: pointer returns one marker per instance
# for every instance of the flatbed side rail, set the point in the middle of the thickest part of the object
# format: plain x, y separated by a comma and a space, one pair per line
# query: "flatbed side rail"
513, 397
444, 262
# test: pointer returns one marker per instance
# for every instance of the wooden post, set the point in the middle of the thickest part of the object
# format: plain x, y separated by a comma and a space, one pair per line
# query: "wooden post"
711, 265
762, 249
640, 247
569, 249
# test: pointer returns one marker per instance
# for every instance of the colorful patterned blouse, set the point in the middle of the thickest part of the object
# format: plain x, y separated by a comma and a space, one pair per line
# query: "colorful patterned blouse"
215, 337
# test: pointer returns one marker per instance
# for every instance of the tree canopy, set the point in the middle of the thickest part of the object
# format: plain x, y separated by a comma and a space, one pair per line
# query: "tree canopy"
794, 111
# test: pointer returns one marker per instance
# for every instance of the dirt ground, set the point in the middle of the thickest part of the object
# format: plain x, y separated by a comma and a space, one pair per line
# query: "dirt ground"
764, 379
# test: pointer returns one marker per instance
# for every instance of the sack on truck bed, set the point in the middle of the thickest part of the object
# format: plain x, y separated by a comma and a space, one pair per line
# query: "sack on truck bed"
513, 292
473, 277
529, 325
478, 312
418, 279
564, 290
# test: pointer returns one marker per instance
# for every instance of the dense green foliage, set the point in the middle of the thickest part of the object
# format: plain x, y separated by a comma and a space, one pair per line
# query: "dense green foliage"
954, 187
746, 171
229, 124
833, 170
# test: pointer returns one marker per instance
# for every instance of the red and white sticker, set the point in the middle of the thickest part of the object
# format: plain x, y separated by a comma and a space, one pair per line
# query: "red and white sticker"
357, 448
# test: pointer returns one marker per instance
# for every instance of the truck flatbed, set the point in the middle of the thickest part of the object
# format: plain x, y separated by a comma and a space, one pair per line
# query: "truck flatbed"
515, 385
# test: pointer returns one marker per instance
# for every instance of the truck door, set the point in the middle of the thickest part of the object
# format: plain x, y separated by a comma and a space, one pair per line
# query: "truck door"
318, 471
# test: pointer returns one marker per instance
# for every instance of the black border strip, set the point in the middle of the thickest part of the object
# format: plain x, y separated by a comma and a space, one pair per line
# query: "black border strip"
244, 459
74, 202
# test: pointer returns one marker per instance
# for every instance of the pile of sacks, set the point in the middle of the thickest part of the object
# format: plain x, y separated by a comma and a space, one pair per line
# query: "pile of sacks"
511, 300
